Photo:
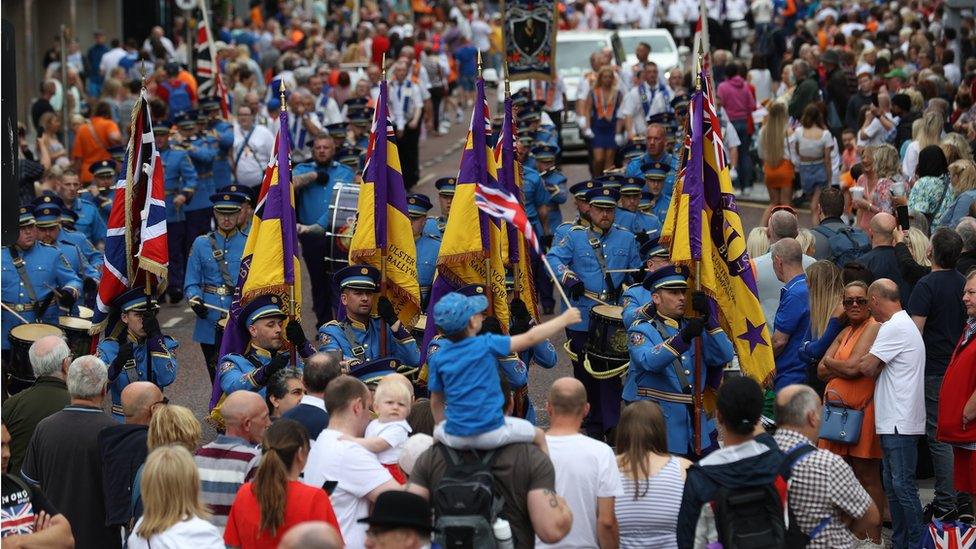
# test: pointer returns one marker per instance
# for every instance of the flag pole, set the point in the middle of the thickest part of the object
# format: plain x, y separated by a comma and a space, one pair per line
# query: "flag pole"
291, 287
489, 291
384, 344
697, 390
517, 287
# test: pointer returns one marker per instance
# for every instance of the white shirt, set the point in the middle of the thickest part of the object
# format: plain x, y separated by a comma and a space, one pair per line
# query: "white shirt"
196, 533
899, 393
875, 133
357, 472
313, 401
254, 158
910, 162
541, 89
395, 433
329, 113
111, 60
641, 16
769, 286
480, 31
405, 101
301, 136
586, 469
658, 100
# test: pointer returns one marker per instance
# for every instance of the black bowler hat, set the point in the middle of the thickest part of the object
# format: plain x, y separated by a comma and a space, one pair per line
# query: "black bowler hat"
399, 509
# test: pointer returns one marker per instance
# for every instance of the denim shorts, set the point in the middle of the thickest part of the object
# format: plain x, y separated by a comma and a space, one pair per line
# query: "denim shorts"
467, 82
812, 176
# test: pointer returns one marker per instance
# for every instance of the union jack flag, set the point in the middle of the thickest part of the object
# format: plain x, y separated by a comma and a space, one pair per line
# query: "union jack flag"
496, 201
208, 76
136, 249
17, 519
948, 535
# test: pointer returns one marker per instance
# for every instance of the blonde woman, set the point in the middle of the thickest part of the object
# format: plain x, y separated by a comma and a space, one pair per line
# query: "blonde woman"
962, 146
174, 516
773, 151
881, 170
173, 424
50, 150
962, 176
929, 133
806, 240
839, 368
170, 424
758, 242
918, 244
602, 105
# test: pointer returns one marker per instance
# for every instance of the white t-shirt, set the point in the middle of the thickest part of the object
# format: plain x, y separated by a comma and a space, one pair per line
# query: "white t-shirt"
195, 532
253, 159
480, 31
899, 394
586, 469
395, 433
357, 472
658, 101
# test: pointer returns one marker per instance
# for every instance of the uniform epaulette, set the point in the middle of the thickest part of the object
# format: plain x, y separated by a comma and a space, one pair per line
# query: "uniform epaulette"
565, 223
578, 228
45, 244
332, 323
68, 243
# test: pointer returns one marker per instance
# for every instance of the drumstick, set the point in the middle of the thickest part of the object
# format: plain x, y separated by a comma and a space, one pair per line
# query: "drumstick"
13, 312
215, 308
623, 270
593, 296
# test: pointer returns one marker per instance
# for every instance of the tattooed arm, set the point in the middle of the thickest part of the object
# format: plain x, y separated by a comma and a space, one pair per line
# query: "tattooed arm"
550, 515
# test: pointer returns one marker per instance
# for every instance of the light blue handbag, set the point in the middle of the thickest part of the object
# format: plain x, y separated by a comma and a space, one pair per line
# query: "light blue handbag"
841, 423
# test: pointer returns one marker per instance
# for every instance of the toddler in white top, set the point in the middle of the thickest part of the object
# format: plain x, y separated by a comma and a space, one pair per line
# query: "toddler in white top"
386, 434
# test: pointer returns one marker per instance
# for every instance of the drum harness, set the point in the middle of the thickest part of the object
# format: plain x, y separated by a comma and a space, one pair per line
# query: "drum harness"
218, 256
359, 351
609, 292
25, 280
679, 371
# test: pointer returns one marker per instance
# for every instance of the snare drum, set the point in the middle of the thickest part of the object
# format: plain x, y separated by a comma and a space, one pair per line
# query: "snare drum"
76, 332
21, 338
341, 219
606, 344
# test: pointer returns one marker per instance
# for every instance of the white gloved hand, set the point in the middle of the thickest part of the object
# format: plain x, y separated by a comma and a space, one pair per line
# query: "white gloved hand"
588, 133
620, 139
733, 173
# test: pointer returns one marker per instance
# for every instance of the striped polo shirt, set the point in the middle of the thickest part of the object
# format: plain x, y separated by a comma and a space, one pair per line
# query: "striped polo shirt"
225, 464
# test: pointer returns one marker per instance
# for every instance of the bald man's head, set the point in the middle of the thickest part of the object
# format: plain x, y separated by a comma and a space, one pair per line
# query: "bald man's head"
137, 402
885, 289
794, 404
567, 397
782, 224
788, 251
883, 228
311, 535
239, 406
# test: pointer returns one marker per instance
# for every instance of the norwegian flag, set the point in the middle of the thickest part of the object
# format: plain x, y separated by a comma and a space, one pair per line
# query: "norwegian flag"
208, 75
136, 250
494, 200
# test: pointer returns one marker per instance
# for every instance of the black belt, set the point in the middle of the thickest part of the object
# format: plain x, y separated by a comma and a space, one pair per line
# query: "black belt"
20, 307
218, 290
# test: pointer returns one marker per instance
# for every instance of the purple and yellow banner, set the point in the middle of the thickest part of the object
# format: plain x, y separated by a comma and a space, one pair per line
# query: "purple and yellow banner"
703, 230
383, 232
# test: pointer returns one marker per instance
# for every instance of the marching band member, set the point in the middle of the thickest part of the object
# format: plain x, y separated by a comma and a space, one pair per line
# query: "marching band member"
428, 245
48, 222
636, 299
445, 195
629, 215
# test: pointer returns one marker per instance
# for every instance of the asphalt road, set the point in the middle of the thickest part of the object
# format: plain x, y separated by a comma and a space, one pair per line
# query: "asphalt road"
440, 156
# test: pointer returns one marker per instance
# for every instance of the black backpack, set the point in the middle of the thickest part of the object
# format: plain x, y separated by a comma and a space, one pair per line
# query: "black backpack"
846, 244
466, 502
753, 517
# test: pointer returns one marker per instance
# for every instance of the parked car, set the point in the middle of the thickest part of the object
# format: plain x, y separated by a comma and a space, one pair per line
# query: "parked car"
664, 51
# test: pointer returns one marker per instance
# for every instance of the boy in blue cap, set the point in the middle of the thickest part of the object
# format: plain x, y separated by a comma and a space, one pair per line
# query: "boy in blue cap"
463, 375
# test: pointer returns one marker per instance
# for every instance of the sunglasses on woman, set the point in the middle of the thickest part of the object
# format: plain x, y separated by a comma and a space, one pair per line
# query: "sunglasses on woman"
851, 301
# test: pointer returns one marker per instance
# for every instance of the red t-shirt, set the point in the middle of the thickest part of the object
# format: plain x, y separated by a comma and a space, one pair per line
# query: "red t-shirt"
303, 503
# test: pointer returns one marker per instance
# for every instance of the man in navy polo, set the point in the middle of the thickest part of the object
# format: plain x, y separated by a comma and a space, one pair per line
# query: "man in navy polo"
792, 316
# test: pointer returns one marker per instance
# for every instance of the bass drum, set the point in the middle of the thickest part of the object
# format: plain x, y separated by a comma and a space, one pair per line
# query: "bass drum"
21, 338
341, 223
76, 332
606, 344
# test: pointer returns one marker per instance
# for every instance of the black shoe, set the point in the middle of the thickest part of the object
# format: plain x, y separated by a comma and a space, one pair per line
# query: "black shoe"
933, 511
175, 296
964, 513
